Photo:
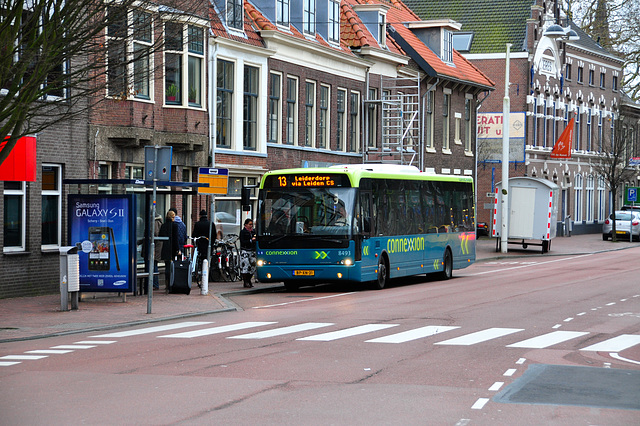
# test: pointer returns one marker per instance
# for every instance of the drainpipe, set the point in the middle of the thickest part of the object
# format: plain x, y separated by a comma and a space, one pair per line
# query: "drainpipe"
365, 113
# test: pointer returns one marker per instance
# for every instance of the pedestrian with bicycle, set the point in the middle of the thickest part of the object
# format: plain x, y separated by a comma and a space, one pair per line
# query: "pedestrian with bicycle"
247, 252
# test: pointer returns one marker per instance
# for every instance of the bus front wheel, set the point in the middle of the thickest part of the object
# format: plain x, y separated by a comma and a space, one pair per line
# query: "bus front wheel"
383, 274
447, 265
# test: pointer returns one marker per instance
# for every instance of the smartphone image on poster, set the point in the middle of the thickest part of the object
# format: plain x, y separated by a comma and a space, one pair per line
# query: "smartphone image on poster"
99, 256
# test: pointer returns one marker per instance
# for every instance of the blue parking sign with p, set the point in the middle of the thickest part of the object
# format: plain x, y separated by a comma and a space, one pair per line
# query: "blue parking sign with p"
632, 195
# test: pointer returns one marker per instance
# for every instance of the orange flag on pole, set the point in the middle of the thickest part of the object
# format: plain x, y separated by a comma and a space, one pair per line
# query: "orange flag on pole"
562, 148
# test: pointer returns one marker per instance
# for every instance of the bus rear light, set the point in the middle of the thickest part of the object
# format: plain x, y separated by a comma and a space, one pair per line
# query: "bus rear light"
339, 275
268, 275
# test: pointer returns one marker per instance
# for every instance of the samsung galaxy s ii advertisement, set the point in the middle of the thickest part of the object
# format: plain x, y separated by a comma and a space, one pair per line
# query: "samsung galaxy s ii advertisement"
102, 226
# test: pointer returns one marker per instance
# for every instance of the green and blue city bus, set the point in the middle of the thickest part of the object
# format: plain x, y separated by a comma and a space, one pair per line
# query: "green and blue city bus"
362, 223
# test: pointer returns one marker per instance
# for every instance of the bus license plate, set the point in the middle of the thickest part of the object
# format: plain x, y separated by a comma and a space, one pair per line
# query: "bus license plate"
304, 272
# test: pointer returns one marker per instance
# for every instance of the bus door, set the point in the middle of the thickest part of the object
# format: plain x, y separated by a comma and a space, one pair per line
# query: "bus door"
364, 243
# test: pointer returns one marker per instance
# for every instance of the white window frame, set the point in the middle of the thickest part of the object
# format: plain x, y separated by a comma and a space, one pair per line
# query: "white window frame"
456, 130
447, 46
275, 116
255, 97
430, 121
601, 198
578, 191
21, 192
589, 190
310, 114
334, 21
354, 121
185, 54
283, 13
341, 137
325, 115
291, 133
446, 122
372, 118
233, 6
309, 17
58, 194
231, 120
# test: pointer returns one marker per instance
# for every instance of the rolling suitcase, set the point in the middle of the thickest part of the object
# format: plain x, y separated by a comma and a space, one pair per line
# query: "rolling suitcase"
180, 277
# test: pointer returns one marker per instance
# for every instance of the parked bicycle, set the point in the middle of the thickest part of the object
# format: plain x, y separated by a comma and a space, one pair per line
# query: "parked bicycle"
196, 255
225, 260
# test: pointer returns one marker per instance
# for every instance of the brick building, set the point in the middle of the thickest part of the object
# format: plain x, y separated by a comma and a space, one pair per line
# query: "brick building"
554, 76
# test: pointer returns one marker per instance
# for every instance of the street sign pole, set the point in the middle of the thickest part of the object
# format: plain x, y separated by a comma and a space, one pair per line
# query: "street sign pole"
632, 195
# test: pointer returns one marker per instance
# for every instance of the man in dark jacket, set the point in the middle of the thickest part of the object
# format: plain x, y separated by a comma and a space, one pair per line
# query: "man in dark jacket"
169, 248
201, 229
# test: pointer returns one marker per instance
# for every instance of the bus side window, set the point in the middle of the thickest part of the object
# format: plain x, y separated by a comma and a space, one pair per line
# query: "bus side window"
365, 212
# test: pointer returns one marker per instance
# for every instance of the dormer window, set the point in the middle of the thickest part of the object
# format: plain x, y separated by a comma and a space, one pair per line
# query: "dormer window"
334, 21
235, 14
309, 16
382, 29
447, 46
282, 12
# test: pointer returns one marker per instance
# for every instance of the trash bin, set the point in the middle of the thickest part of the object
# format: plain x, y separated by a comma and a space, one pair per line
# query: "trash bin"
69, 277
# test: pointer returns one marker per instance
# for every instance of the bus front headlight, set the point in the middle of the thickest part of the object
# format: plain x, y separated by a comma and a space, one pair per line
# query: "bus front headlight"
347, 262
260, 263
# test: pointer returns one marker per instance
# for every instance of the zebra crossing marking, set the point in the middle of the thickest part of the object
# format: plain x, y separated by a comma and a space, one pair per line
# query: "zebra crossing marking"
480, 336
50, 351
409, 335
347, 332
23, 357
546, 340
282, 330
73, 347
155, 329
216, 330
615, 344
8, 363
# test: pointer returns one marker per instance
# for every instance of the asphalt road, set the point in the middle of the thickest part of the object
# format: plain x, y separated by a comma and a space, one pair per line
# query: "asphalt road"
550, 340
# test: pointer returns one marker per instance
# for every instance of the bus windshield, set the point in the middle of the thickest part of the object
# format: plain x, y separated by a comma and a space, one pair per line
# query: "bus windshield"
322, 214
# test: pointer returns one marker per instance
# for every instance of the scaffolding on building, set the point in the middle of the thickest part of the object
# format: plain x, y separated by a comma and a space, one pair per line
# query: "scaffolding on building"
400, 140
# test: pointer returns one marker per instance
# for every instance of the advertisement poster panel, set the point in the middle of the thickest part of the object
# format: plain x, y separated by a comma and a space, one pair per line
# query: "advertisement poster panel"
490, 137
104, 227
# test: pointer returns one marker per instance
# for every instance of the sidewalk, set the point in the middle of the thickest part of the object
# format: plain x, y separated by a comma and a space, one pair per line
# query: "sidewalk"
36, 317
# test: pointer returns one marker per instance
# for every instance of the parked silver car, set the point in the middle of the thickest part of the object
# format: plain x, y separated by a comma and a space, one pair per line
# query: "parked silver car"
626, 221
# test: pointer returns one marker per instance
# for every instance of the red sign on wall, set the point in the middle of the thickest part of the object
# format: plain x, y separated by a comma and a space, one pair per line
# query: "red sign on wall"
20, 165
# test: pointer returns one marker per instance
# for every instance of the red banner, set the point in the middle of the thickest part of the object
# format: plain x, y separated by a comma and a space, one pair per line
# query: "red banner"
562, 148
20, 165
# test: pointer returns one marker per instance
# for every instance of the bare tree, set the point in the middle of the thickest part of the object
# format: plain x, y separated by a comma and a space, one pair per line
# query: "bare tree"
54, 54
613, 164
615, 25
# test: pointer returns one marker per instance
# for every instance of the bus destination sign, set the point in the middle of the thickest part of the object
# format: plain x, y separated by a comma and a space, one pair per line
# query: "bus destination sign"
307, 181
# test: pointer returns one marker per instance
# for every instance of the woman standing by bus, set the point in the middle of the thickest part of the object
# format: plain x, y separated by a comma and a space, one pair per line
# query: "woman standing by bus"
247, 252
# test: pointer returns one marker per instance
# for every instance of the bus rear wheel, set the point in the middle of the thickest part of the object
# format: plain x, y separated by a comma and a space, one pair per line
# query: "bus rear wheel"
383, 275
447, 265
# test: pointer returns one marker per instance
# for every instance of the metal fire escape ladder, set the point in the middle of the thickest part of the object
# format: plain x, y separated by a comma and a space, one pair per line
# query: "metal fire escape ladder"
400, 126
